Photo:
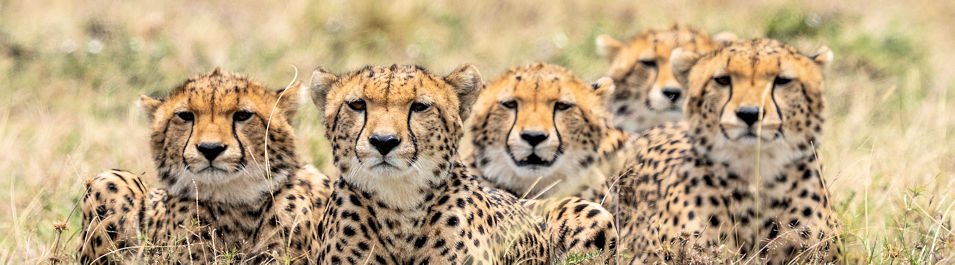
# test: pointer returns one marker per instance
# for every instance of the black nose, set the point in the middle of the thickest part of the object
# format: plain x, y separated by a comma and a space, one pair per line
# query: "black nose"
384, 143
533, 137
211, 150
749, 115
672, 93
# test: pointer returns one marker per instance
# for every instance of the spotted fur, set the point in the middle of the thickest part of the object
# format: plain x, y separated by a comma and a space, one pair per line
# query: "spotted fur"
647, 92
413, 202
231, 182
537, 132
740, 178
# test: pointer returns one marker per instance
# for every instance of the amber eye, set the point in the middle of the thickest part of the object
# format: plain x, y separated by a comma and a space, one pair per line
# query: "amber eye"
649, 63
723, 80
510, 104
185, 115
562, 106
419, 107
241, 115
782, 81
357, 105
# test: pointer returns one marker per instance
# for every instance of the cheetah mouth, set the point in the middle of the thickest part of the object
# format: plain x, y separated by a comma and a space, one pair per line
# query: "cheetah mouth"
534, 160
211, 169
750, 134
384, 165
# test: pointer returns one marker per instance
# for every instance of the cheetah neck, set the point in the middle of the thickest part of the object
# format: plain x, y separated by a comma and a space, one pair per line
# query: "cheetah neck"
243, 188
555, 185
755, 166
406, 190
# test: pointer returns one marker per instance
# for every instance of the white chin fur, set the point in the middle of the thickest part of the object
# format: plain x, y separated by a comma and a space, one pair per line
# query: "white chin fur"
563, 175
241, 187
751, 158
397, 187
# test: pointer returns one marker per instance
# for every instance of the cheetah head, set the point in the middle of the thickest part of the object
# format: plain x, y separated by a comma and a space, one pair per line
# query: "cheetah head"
753, 93
223, 137
647, 92
394, 129
539, 120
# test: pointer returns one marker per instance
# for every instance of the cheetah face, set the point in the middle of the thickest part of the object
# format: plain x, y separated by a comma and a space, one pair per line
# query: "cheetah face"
754, 91
539, 119
220, 129
397, 124
647, 92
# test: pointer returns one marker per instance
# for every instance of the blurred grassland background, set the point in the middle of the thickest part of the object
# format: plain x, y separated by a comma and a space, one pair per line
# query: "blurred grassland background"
71, 71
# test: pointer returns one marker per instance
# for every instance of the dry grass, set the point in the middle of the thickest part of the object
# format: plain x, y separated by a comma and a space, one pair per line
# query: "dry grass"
72, 70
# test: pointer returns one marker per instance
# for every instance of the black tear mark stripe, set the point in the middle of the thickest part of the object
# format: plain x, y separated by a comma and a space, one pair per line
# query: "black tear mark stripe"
782, 120
723, 109
192, 126
414, 139
560, 141
507, 145
241, 146
364, 121
649, 87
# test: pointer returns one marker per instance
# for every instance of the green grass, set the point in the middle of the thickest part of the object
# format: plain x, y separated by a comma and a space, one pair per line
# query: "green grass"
71, 72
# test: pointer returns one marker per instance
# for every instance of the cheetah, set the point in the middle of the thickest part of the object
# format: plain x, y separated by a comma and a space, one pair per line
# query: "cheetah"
740, 179
403, 196
647, 92
537, 132
232, 185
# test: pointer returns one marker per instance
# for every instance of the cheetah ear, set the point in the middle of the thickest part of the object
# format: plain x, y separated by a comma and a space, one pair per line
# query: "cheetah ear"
149, 105
823, 56
603, 87
322, 81
724, 38
608, 47
682, 61
467, 83
289, 99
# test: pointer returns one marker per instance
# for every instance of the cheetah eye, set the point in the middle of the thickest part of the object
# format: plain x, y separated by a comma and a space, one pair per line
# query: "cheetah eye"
780, 81
419, 107
185, 116
241, 115
562, 106
649, 63
357, 105
723, 80
510, 104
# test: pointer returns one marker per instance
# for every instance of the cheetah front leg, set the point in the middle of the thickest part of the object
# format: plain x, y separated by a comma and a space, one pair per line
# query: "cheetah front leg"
112, 209
579, 231
288, 233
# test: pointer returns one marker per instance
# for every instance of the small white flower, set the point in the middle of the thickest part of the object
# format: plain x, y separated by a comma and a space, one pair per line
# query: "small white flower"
95, 46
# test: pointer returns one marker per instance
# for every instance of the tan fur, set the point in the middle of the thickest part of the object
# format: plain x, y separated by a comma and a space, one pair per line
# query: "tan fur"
413, 202
569, 154
642, 72
252, 198
719, 186
549, 100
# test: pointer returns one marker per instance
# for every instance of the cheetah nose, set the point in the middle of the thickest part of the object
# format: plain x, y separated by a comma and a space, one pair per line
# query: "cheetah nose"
672, 93
210, 150
384, 143
533, 137
749, 115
